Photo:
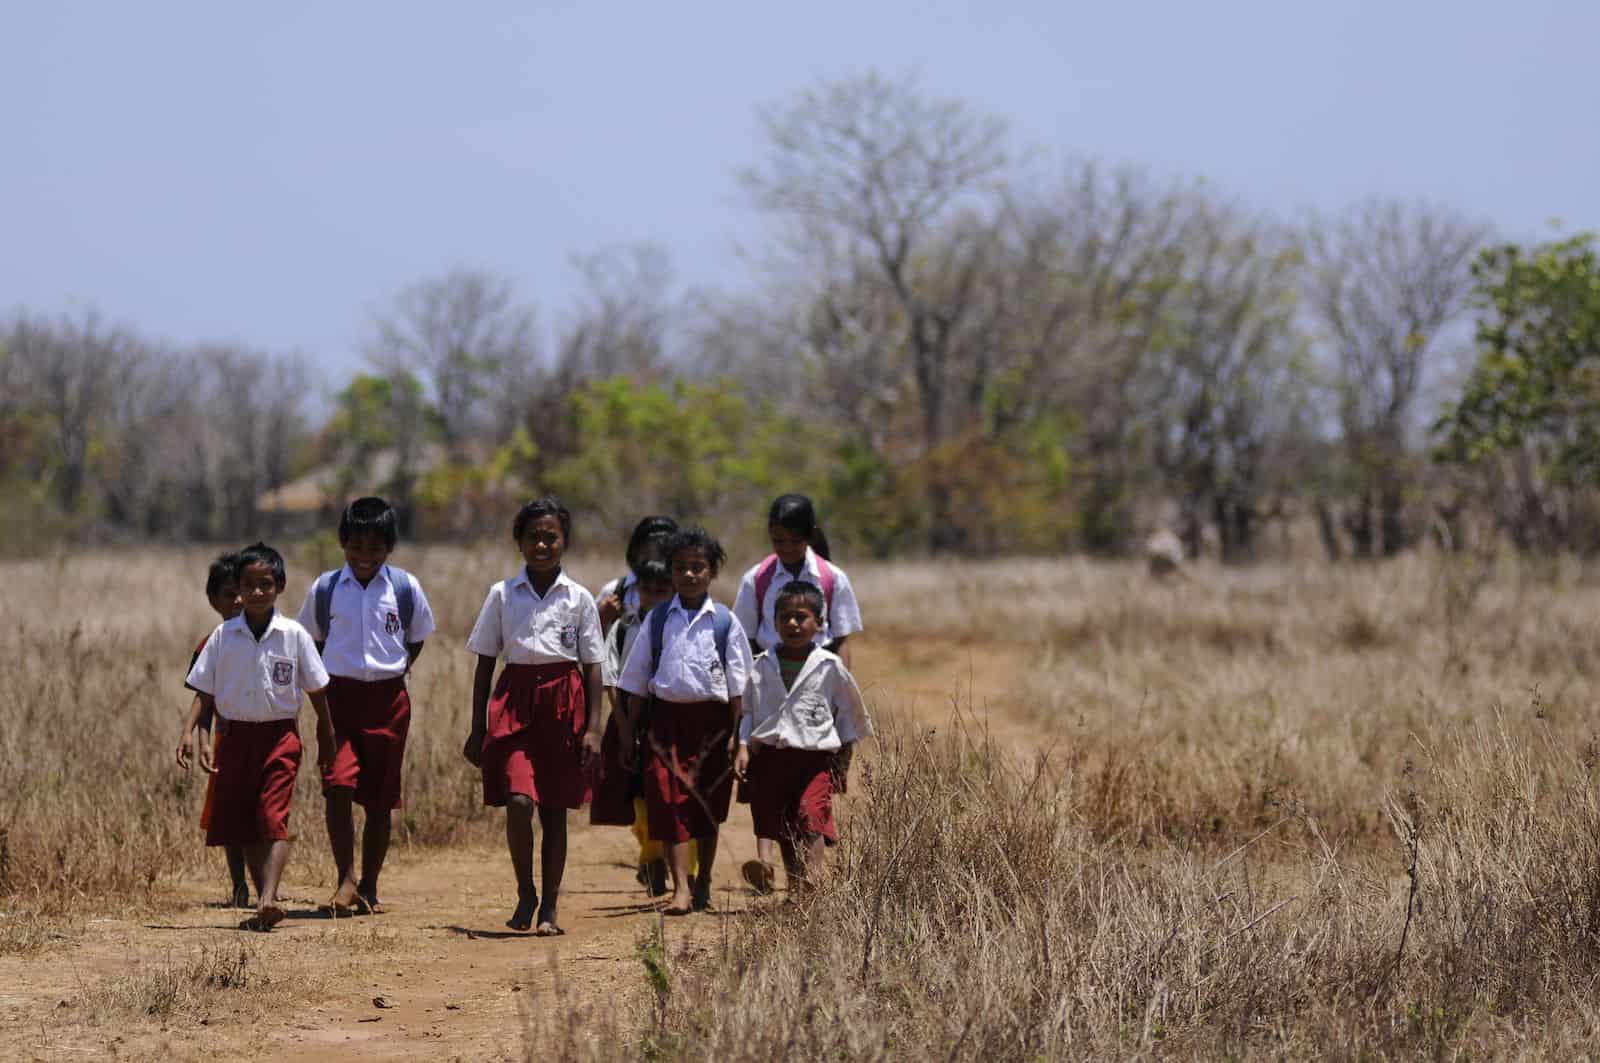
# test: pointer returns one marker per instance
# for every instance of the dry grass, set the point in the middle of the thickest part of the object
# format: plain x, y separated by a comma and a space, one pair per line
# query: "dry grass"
1281, 811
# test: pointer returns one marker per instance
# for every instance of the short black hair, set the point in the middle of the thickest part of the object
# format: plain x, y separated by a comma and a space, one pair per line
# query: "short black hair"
224, 569
548, 506
653, 571
653, 529
369, 515
697, 539
802, 589
259, 553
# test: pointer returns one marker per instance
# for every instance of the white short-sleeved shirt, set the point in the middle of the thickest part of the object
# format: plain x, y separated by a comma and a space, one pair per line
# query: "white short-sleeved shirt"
822, 711
255, 681
619, 641
563, 625
843, 613
691, 669
366, 640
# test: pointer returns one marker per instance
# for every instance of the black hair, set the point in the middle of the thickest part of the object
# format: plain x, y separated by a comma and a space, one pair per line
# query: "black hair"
802, 589
655, 529
548, 506
369, 515
653, 571
796, 513
224, 569
697, 539
259, 553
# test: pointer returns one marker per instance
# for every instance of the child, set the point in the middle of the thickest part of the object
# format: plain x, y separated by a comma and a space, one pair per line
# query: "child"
369, 620
536, 740
222, 593
693, 663
619, 792
803, 711
799, 552
620, 597
251, 673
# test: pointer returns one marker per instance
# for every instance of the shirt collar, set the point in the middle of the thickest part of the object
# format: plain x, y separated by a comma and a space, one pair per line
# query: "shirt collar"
809, 571
239, 624
347, 573
521, 580
810, 665
705, 607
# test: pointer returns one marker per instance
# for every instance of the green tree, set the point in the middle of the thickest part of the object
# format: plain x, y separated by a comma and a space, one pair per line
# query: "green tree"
1528, 420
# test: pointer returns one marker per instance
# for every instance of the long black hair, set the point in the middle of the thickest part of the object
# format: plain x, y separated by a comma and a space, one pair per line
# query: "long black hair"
795, 513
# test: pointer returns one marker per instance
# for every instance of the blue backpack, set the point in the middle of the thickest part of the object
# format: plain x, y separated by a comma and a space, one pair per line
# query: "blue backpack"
721, 624
405, 598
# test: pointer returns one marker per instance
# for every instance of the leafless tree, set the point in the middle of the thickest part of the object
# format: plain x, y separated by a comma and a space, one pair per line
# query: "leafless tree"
1387, 279
456, 331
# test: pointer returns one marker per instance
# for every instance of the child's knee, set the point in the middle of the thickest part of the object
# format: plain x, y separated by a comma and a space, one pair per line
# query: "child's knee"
520, 805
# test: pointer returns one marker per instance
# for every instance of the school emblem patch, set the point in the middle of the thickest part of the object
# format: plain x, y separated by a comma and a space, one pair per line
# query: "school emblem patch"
391, 623
282, 673
569, 636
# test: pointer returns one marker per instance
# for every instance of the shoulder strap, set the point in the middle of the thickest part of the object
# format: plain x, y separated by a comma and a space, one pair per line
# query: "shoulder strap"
721, 624
405, 596
825, 570
764, 574
322, 603
658, 635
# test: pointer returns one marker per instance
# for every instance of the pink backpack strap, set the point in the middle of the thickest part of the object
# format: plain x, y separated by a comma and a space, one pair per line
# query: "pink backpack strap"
828, 580
764, 573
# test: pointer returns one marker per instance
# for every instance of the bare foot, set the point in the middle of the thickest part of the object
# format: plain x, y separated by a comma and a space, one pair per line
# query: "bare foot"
522, 918
681, 904
269, 915
345, 901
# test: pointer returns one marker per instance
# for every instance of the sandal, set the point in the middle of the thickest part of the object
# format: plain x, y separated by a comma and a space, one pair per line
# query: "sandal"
264, 920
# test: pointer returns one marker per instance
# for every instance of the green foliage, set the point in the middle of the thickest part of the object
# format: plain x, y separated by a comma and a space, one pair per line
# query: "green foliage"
1536, 385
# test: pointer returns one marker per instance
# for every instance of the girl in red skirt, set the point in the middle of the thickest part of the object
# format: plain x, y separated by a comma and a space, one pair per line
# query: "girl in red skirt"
805, 714
692, 661
535, 738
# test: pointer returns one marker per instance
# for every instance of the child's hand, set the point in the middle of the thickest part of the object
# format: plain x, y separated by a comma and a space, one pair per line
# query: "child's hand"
325, 744
473, 749
591, 748
208, 763
741, 763
186, 749
610, 609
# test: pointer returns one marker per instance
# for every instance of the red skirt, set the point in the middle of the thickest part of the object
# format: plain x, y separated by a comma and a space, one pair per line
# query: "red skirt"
615, 786
370, 721
211, 779
534, 744
256, 766
688, 775
791, 793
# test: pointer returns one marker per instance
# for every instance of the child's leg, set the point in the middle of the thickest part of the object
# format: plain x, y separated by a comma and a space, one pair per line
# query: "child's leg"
267, 860
707, 856
766, 849
374, 849
552, 864
519, 840
678, 863
339, 814
241, 888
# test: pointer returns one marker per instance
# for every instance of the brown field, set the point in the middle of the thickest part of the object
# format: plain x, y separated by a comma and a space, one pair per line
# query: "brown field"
1283, 811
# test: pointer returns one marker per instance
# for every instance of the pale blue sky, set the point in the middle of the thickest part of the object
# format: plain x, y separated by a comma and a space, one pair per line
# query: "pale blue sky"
266, 173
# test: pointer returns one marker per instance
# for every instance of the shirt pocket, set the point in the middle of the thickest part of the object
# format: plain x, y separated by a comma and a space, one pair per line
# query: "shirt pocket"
813, 710
561, 629
280, 671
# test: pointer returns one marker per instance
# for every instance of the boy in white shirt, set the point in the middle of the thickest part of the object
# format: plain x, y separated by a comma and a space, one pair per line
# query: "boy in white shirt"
251, 673
369, 620
803, 712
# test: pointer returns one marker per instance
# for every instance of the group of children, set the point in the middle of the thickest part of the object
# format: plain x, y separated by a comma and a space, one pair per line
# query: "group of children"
649, 705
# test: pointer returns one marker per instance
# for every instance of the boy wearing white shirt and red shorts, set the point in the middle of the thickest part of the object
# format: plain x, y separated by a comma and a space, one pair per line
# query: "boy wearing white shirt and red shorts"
369, 620
251, 673
803, 712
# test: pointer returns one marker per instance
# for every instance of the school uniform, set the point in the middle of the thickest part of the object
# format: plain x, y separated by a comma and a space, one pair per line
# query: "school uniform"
841, 615
364, 650
538, 712
688, 769
216, 740
615, 787
794, 731
256, 684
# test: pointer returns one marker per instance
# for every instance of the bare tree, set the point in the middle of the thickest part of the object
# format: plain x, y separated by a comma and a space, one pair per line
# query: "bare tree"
872, 173
623, 316
456, 331
1387, 279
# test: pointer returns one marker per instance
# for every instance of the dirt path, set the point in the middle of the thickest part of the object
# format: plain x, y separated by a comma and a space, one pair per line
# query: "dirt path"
438, 977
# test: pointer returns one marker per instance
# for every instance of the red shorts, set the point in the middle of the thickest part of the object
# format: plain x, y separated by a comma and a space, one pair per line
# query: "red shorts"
791, 793
615, 786
534, 744
256, 766
688, 774
370, 721
211, 780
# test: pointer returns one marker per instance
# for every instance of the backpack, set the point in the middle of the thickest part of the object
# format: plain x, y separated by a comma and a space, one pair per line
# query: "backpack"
769, 568
405, 598
721, 625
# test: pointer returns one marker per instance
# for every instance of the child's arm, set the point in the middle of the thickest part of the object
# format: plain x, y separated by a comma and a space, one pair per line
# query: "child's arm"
325, 739
597, 718
841, 647
413, 651
745, 725
481, 679
201, 703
